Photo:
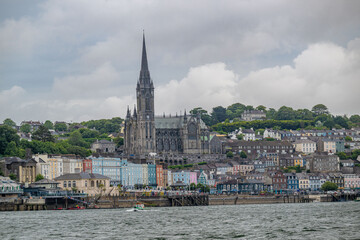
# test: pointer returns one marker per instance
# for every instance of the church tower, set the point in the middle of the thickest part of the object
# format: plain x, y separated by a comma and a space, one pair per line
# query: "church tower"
140, 128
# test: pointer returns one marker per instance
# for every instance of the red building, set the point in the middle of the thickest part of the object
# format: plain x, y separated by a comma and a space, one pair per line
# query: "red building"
87, 165
279, 182
159, 176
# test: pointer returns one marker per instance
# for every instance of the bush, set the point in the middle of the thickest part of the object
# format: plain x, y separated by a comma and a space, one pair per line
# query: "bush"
329, 186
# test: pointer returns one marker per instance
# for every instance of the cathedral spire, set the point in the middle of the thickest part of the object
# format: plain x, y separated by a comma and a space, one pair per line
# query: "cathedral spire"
144, 72
144, 63
128, 115
135, 114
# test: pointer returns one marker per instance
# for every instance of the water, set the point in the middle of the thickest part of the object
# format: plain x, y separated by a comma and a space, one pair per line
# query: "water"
276, 221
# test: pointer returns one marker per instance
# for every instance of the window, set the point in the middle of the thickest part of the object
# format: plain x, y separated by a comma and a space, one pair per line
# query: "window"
74, 184
64, 184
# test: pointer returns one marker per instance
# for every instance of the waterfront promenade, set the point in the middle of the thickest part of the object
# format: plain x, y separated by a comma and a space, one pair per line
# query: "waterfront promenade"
169, 199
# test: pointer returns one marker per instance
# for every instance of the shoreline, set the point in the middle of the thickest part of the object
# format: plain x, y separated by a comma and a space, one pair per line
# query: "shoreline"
113, 202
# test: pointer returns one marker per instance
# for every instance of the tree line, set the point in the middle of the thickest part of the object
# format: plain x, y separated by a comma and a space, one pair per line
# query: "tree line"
229, 118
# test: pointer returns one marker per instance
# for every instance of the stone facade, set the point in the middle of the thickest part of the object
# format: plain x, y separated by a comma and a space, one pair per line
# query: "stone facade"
251, 115
144, 133
90, 183
24, 169
103, 146
323, 163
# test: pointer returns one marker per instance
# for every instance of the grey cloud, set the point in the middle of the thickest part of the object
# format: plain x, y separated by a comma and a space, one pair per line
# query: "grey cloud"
67, 40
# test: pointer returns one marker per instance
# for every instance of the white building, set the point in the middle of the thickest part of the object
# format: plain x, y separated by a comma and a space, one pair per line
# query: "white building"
305, 145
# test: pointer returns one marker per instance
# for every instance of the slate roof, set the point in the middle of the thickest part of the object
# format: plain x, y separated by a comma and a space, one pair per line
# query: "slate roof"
173, 122
82, 175
45, 181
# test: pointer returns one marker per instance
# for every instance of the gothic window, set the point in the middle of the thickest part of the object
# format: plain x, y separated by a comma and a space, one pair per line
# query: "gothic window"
173, 145
166, 145
150, 132
147, 102
192, 131
160, 145
146, 130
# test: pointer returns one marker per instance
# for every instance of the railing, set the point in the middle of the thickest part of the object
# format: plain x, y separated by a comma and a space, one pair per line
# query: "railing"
5, 191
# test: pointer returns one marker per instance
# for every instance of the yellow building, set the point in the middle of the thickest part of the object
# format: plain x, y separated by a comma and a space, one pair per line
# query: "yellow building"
54, 168
303, 182
298, 161
91, 183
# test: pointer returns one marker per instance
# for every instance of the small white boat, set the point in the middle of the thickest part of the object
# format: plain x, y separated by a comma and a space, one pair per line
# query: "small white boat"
139, 207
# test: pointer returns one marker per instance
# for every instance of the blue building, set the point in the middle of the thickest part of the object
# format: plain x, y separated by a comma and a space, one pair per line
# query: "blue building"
203, 178
340, 145
109, 167
152, 175
131, 174
292, 181
182, 176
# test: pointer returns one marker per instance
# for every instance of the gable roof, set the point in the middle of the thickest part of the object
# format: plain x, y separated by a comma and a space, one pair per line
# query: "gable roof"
82, 175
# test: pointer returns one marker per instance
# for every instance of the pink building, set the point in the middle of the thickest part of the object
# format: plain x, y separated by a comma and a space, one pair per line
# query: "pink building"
351, 181
193, 177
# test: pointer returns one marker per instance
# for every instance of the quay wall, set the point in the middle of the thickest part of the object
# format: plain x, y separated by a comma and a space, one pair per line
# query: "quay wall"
110, 202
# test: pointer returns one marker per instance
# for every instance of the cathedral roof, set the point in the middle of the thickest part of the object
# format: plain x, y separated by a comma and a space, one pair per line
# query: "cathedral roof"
169, 122
174, 122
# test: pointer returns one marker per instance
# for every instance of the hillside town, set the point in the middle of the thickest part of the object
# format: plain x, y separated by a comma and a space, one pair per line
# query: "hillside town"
280, 152
275, 162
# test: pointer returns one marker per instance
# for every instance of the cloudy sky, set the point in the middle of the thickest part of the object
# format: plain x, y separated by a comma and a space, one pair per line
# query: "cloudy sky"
80, 60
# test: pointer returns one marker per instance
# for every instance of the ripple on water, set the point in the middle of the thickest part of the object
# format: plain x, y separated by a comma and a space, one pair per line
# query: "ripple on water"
295, 221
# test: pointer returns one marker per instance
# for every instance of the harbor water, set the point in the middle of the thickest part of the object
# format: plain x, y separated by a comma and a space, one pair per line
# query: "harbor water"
266, 221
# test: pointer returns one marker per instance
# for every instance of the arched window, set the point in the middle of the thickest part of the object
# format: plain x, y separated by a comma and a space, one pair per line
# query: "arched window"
192, 131
147, 102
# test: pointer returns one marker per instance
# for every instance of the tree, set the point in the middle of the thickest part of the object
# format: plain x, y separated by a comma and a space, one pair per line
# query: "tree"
271, 113
304, 114
192, 186
119, 141
329, 186
43, 134
355, 153
26, 128
341, 121
319, 109
203, 114
243, 154
261, 108
7, 135
229, 154
76, 139
219, 114
39, 177
342, 155
9, 122
12, 176
355, 118
240, 136
60, 127
285, 113
88, 133
48, 124
348, 139
11, 149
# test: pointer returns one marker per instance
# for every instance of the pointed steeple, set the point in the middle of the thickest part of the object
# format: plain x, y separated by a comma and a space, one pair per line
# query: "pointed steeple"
128, 115
135, 114
185, 117
144, 72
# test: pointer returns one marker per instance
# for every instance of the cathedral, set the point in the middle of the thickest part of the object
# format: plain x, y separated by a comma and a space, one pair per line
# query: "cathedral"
146, 133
